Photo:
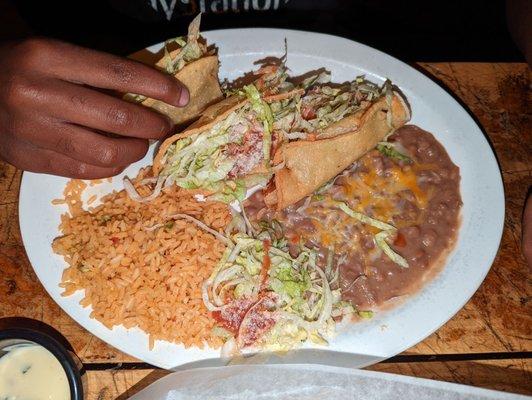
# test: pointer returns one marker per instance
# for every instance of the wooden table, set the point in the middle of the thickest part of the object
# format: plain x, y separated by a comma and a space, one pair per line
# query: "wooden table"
487, 344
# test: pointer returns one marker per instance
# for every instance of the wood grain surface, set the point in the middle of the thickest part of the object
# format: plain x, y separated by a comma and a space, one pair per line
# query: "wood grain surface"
486, 344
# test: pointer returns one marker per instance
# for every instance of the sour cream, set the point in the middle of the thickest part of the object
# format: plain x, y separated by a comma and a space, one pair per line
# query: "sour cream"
31, 372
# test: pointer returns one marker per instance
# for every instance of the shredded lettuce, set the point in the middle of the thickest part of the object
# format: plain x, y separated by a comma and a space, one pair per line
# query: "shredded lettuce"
242, 290
387, 231
388, 149
318, 78
264, 114
284, 336
326, 186
229, 191
365, 314
221, 333
364, 218
190, 50
380, 241
273, 77
299, 296
324, 104
286, 281
198, 161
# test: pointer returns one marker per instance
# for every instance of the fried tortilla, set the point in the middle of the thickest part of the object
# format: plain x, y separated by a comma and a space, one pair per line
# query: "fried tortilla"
310, 164
199, 74
201, 79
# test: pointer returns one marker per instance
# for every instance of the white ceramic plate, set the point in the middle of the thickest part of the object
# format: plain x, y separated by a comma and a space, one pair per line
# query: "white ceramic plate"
364, 343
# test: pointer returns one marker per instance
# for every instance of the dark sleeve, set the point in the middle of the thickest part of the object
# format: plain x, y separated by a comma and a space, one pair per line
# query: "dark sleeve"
519, 19
12, 26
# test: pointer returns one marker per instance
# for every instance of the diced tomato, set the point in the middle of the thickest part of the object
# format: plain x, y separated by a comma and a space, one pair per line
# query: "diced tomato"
308, 112
258, 322
400, 240
294, 239
231, 316
115, 240
217, 315
258, 319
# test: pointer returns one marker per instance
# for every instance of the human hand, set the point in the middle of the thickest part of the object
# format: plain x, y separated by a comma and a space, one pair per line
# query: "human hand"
56, 118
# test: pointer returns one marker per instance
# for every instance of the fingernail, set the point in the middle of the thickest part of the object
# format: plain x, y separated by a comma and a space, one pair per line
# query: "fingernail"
184, 97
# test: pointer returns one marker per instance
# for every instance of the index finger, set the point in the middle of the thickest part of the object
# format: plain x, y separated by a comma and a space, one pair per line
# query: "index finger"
107, 71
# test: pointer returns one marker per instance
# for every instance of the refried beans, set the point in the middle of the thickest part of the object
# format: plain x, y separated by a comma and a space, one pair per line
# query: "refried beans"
420, 197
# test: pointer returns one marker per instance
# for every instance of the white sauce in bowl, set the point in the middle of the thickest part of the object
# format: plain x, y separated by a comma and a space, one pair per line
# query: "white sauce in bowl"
31, 372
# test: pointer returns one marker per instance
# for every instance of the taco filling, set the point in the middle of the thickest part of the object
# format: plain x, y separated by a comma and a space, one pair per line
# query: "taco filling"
322, 105
218, 159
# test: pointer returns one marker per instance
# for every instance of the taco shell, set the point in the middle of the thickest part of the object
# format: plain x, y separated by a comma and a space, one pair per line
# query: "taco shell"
310, 164
201, 79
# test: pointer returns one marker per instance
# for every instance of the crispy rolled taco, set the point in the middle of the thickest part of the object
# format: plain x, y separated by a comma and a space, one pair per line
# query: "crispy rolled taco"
228, 149
223, 153
194, 65
330, 129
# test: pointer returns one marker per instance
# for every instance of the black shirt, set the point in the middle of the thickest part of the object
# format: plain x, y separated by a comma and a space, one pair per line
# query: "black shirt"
414, 30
